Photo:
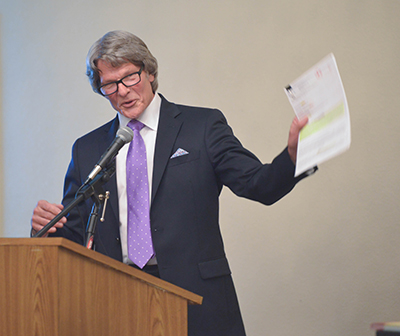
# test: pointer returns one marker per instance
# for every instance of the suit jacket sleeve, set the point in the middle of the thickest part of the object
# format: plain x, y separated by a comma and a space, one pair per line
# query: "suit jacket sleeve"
76, 225
241, 171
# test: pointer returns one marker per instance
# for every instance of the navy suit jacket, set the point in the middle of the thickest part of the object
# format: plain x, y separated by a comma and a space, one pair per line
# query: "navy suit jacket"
184, 207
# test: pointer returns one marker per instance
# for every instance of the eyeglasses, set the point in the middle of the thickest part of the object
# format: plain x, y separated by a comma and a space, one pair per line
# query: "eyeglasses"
128, 81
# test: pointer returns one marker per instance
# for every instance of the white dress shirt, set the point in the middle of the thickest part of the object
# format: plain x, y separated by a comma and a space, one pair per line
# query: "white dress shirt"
149, 118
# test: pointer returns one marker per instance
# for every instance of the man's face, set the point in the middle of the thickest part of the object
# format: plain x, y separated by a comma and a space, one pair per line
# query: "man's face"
130, 101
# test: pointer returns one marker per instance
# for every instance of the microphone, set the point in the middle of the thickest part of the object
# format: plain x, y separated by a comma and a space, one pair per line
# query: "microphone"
124, 135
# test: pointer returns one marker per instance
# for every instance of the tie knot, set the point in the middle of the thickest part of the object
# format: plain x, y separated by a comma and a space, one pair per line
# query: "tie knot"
135, 125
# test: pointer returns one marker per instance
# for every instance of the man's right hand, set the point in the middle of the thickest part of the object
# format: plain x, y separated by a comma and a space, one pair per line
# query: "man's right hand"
43, 214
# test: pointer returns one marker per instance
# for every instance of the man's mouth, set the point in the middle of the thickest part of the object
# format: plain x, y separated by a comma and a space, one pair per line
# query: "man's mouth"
128, 103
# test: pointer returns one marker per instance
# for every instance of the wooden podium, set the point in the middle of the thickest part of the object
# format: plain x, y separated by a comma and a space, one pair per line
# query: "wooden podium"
54, 287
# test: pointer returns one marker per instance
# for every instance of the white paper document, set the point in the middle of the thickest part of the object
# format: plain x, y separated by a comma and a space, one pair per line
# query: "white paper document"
319, 95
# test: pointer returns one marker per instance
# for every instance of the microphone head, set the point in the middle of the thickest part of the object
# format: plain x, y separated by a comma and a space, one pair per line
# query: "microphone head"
125, 134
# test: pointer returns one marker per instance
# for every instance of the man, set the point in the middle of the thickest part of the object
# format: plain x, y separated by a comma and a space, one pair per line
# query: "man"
191, 153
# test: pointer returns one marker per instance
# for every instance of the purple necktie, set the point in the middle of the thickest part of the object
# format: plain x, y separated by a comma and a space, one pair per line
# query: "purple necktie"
140, 246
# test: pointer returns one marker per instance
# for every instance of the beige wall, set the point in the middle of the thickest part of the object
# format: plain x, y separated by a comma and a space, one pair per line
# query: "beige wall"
322, 261
1, 142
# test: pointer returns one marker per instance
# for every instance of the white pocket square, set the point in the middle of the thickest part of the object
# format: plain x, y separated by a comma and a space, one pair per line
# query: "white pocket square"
179, 152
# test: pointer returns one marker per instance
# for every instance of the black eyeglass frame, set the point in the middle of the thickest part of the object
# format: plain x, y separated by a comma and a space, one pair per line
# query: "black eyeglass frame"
122, 82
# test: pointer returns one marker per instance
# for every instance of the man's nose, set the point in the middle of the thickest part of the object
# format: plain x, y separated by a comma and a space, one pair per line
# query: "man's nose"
122, 89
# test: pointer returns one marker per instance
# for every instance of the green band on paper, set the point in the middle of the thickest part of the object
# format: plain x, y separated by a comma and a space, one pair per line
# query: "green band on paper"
316, 126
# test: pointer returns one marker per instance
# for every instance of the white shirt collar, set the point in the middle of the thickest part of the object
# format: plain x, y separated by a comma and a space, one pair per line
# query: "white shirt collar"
149, 117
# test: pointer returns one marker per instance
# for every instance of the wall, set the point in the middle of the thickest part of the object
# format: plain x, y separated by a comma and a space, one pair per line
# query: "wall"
1, 143
324, 259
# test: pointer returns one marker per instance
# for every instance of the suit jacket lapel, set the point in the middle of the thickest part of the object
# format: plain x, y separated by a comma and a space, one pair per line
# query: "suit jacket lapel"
168, 129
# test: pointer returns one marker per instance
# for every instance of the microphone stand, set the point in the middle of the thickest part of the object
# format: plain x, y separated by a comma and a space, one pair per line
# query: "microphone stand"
91, 189
92, 222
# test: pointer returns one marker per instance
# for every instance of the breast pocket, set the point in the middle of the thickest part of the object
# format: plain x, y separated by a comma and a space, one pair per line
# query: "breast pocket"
193, 155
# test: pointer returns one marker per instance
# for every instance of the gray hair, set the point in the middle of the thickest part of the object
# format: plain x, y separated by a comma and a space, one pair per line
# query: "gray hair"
119, 47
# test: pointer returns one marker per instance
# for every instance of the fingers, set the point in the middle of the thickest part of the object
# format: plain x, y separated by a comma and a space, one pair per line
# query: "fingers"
295, 128
301, 123
44, 213
297, 125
